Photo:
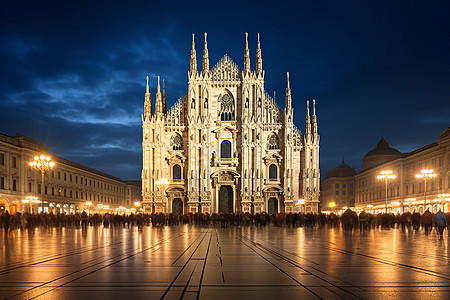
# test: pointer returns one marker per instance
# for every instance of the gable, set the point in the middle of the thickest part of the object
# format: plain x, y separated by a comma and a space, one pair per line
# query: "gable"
225, 70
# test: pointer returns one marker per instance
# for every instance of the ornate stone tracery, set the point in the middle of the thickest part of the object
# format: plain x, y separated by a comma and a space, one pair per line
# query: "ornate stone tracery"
227, 132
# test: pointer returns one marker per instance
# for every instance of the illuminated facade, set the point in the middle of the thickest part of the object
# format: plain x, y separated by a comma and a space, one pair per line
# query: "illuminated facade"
226, 146
404, 193
67, 187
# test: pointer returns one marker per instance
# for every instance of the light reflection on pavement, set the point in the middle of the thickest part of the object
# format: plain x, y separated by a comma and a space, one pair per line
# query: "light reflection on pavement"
222, 263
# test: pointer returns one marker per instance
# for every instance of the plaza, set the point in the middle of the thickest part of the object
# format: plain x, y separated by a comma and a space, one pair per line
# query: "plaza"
194, 262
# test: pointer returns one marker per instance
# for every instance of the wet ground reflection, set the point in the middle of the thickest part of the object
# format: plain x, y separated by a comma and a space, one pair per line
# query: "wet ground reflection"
191, 261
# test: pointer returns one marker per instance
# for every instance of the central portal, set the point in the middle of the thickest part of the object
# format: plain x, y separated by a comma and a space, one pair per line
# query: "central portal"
226, 199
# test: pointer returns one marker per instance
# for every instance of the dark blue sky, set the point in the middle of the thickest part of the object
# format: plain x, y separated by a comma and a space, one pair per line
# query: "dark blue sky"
72, 74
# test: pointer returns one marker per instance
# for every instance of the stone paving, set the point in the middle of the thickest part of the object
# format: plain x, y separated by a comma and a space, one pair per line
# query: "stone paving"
190, 262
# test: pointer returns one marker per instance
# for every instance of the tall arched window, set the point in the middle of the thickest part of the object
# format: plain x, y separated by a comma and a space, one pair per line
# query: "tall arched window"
176, 172
273, 171
176, 142
273, 142
226, 108
225, 149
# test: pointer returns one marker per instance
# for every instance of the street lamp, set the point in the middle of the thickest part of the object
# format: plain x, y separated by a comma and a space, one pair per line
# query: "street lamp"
30, 200
332, 205
444, 198
42, 163
89, 204
386, 175
425, 174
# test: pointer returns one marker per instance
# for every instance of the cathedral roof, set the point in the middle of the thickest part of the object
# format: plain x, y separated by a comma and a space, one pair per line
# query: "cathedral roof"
343, 170
225, 69
383, 148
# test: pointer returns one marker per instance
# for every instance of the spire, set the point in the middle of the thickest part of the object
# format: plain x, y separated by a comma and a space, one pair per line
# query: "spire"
314, 121
193, 56
158, 90
288, 93
314, 108
258, 58
205, 65
246, 55
308, 122
148, 101
164, 98
158, 104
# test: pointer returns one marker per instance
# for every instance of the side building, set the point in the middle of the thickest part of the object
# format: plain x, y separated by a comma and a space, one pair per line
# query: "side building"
404, 193
338, 188
68, 188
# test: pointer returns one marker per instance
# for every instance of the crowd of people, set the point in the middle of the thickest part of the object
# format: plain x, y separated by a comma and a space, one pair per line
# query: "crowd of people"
349, 220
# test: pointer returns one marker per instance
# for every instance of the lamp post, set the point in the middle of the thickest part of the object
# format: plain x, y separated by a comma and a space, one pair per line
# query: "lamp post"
386, 175
332, 205
444, 198
425, 174
42, 163
89, 204
30, 200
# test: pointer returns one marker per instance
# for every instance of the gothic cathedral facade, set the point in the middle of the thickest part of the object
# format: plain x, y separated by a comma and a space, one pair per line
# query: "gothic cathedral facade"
226, 146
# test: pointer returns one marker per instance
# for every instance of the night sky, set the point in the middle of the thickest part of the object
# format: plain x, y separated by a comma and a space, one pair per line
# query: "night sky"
72, 75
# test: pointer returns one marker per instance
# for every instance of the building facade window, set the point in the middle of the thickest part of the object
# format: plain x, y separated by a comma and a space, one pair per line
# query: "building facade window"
273, 171
273, 142
177, 142
176, 170
226, 108
225, 149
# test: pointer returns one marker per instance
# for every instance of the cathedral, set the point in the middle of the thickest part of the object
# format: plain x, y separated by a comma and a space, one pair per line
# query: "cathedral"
226, 146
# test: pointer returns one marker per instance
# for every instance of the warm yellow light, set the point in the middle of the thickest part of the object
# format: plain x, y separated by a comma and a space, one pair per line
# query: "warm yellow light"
386, 174
444, 196
42, 157
51, 164
332, 204
426, 174
162, 181
137, 203
300, 202
88, 203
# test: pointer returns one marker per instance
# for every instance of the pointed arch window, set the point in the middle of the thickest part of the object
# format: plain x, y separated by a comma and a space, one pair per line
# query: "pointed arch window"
176, 142
273, 142
225, 149
226, 108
